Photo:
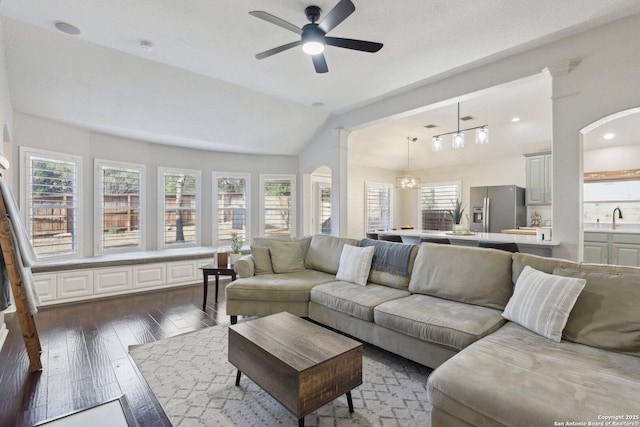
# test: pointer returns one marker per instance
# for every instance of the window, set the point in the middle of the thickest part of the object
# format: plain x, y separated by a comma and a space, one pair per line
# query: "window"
436, 199
231, 211
321, 204
119, 206
51, 197
179, 220
378, 206
278, 205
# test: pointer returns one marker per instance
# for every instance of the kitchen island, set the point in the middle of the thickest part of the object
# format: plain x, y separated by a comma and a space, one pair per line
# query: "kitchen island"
527, 243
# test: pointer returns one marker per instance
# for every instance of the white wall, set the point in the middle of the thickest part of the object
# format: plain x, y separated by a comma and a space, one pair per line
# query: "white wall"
6, 109
34, 132
603, 78
612, 158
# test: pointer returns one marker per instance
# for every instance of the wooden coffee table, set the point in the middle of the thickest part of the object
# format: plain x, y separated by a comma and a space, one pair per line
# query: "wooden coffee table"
300, 364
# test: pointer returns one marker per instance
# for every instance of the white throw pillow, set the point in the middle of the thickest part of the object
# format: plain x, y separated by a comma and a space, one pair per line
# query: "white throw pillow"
355, 263
542, 302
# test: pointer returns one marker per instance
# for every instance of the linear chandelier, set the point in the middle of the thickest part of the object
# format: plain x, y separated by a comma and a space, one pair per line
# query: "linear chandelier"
408, 182
457, 140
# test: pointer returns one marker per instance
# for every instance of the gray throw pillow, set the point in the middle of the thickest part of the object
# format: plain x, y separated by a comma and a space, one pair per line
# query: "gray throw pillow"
287, 257
261, 260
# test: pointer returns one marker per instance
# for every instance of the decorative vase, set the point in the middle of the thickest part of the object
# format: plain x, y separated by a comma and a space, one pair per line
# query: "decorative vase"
234, 258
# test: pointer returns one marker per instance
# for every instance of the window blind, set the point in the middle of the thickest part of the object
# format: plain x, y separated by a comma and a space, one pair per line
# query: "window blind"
435, 202
180, 208
378, 207
231, 207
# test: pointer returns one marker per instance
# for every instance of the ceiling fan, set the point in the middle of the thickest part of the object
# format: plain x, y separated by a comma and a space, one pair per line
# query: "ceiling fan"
313, 36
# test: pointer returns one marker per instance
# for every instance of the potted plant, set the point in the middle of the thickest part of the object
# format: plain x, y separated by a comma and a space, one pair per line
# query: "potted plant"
236, 246
456, 215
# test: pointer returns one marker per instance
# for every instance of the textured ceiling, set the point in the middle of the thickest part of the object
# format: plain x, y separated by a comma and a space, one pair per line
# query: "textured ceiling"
202, 86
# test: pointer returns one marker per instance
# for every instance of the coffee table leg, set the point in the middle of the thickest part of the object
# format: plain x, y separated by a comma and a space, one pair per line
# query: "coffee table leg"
301, 422
350, 401
238, 378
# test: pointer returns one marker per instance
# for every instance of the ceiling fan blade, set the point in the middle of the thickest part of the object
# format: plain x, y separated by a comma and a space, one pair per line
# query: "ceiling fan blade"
268, 53
320, 63
336, 15
275, 20
361, 45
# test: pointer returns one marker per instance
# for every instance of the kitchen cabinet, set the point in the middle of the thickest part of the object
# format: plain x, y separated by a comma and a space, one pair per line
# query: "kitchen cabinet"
539, 168
612, 248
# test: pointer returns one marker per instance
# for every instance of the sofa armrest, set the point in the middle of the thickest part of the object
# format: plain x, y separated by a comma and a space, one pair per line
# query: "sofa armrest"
244, 266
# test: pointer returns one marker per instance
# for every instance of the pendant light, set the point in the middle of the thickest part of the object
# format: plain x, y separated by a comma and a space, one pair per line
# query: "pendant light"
408, 182
457, 140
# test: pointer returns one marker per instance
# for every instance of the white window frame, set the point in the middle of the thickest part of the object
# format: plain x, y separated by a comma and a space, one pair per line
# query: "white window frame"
98, 210
294, 200
458, 184
25, 153
214, 183
162, 171
369, 184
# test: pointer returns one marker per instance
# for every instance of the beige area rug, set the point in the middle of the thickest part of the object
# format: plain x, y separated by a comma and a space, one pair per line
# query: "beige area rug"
195, 384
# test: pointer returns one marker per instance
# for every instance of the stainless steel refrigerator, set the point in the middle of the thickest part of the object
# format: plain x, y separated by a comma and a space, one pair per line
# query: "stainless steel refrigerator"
496, 208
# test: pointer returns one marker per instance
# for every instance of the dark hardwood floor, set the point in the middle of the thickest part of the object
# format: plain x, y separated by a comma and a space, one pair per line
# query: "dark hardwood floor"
85, 353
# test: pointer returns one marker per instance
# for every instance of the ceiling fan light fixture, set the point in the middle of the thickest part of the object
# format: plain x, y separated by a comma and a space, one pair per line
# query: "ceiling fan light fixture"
313, 47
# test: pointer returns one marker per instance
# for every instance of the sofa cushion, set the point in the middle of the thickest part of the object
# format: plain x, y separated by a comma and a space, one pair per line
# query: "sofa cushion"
606, 314
514, 377
467, 274
324, 252
277, 287
355, 264
261, 256
540, 263
357, 301
449, 323
287, 257
542, 302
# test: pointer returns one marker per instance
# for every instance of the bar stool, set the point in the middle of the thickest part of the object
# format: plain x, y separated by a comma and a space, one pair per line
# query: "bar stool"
440, 240
509, 247
390, 238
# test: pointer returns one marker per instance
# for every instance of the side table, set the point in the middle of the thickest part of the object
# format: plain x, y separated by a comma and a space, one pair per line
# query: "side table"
213, 270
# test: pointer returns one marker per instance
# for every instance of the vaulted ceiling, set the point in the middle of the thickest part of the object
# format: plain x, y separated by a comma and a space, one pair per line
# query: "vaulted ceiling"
201, 85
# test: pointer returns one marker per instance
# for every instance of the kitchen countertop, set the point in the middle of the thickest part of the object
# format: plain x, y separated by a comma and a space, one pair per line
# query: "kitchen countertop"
607, 229
491, 237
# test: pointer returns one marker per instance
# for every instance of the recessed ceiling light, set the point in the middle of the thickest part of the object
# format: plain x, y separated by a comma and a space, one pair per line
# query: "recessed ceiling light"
67, 28
318, 104
609, 135
515, 119
146, 45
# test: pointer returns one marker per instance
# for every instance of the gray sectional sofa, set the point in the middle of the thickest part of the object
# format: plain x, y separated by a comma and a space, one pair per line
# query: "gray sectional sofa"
445, 311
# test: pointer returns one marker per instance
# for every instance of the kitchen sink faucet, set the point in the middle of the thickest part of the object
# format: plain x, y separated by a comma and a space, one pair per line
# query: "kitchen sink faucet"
613, 227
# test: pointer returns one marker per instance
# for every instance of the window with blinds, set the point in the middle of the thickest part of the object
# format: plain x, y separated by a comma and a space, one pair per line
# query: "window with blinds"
51, 192
378, 206
120, 206
436, 200
278, 200
231, 211
180, 197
